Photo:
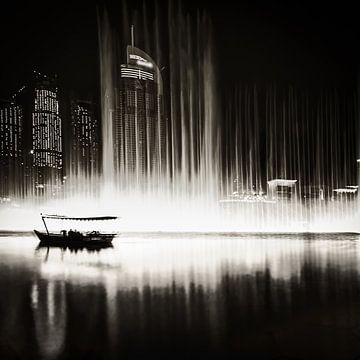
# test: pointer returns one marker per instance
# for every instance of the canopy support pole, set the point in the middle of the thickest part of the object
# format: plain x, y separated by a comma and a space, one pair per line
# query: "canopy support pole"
45, 225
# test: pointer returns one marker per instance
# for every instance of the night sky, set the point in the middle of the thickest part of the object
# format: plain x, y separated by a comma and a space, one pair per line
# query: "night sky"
296, 44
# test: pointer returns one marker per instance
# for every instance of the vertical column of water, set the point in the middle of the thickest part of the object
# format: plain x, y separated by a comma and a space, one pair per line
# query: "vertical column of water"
358, 146
210, 158
192, 107
107, 76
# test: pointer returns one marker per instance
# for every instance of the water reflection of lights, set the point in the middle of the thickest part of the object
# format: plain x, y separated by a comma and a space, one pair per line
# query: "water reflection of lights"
48, 302
158, 260
192, 272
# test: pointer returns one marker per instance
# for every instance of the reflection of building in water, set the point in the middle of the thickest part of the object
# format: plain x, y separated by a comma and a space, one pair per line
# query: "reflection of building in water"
140, 294
281, 189
139, 120
166, 272
172, 259
48, 302
152, 289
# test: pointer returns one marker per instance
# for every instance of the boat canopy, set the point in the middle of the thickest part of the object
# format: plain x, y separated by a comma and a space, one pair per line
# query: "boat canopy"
94, 218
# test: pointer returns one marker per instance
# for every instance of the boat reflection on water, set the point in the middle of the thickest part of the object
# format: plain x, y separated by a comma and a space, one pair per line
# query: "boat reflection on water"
74, 247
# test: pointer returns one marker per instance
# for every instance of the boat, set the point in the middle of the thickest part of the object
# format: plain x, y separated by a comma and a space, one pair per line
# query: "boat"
75, 238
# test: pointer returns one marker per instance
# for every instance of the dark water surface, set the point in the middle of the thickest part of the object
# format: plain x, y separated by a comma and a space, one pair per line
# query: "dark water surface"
182, 296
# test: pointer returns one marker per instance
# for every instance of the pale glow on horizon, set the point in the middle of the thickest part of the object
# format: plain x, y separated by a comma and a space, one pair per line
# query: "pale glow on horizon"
152, 213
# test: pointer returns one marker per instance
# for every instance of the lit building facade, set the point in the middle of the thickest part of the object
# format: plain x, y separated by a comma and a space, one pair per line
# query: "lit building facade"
84, 152
138, 124
46, 130
42, 133
11, 149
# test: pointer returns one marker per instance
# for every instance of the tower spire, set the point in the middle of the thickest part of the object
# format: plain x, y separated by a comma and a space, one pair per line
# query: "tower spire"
132, 36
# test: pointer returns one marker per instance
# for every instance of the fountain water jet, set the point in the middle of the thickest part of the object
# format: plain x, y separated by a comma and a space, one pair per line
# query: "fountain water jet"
292, 136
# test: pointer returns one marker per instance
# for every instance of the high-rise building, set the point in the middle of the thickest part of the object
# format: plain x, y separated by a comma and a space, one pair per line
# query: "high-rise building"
11, 148
138, 125
42, 132
84, 151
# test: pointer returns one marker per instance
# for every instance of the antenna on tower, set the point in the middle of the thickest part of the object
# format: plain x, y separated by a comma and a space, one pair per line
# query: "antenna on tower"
132, 36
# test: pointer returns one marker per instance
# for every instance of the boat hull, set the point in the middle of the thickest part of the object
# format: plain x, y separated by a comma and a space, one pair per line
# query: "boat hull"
76, 241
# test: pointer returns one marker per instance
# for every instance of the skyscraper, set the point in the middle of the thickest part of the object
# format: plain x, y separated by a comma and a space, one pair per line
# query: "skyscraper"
139, 117
84, 152
42, 132
11, 146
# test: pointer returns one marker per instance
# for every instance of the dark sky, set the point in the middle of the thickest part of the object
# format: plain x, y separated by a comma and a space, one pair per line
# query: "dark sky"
295, 43
292, 42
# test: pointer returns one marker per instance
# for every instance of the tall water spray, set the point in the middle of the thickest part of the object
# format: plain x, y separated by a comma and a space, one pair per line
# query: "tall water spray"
175, 158
265, 135
300, 136
187, 182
